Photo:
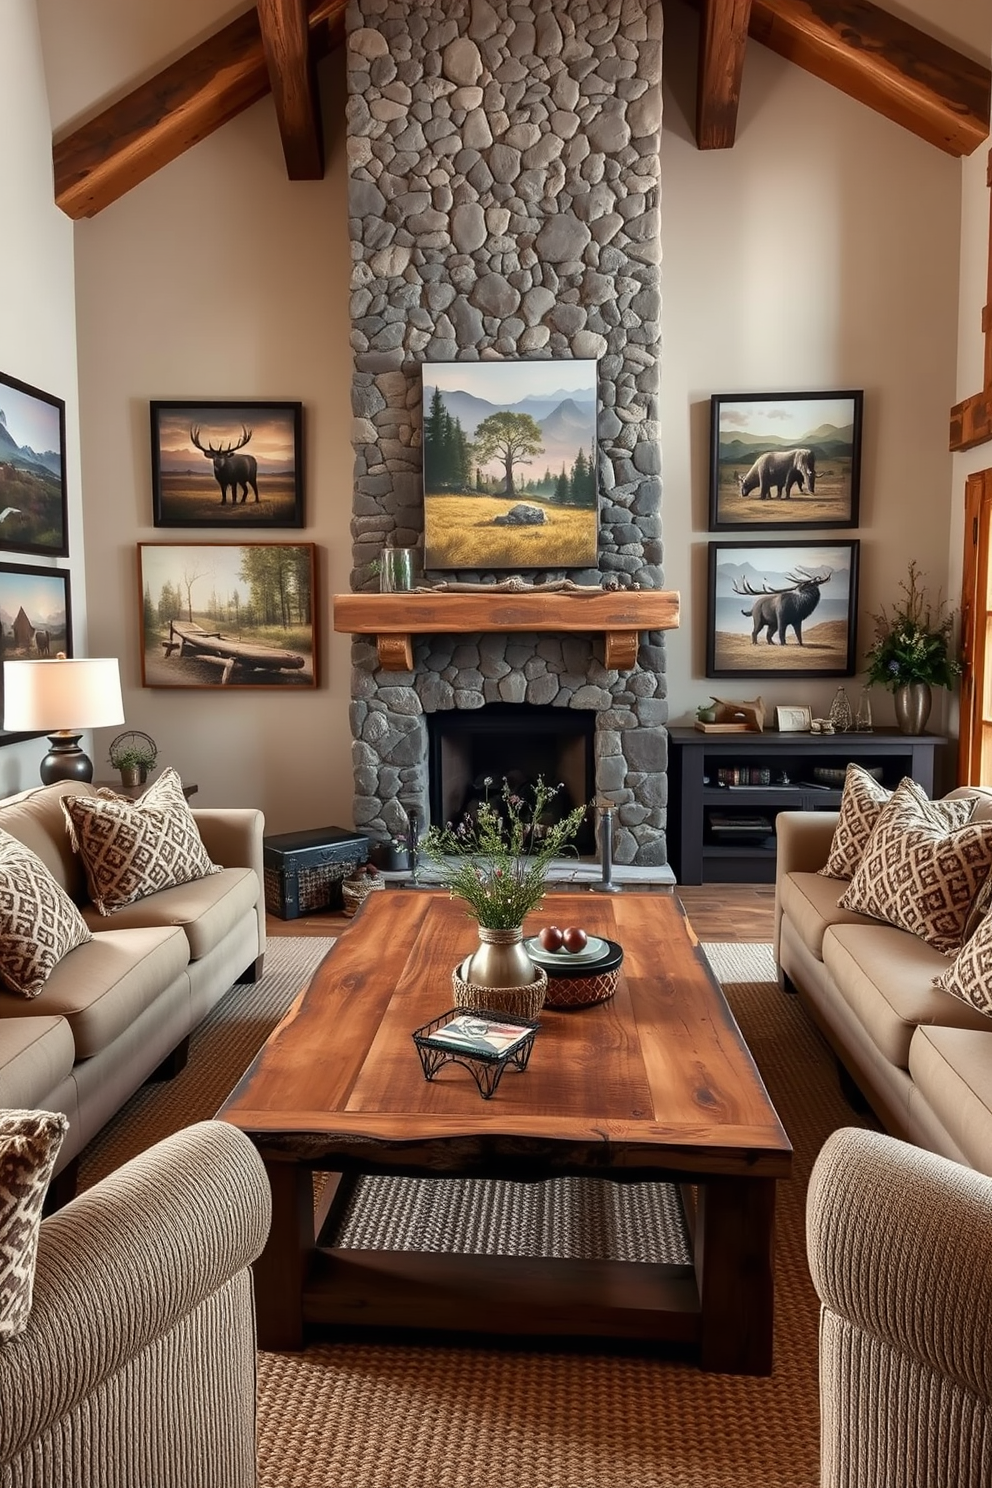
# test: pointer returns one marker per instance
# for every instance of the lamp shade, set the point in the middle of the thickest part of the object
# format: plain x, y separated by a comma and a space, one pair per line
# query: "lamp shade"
73, 693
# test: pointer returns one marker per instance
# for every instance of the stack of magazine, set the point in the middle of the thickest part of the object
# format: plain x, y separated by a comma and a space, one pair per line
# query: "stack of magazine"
473, 1033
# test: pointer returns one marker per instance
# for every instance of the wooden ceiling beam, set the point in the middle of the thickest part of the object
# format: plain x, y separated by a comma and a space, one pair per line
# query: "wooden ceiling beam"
722, 42
293, 80
133, 138
884, 62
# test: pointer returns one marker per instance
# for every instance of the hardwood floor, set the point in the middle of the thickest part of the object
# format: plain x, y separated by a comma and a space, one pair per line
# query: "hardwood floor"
717, 912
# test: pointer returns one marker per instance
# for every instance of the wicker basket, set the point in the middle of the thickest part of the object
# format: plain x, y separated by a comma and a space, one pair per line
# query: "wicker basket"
516, 1002
575, 992
355, 891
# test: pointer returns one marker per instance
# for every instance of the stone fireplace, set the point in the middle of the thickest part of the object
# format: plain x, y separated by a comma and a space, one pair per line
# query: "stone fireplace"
503, 202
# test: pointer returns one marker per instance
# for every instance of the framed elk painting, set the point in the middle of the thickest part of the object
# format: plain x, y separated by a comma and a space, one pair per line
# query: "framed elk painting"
32, 471
233, 465
785, 460
228, 614
782, 609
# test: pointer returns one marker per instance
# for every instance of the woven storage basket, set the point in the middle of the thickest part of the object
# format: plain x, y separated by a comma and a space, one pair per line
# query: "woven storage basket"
574, 992
516, 1002
355, 891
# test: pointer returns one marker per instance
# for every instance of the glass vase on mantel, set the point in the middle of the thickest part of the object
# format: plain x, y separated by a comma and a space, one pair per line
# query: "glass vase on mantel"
913, 703
841, 713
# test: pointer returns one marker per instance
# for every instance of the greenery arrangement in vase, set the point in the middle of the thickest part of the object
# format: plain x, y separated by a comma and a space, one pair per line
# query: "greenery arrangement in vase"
912, 651
134, 761
496, 862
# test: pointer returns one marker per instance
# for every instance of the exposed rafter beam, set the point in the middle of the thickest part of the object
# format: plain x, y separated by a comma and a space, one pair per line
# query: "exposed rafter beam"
293, 80
884, 62
722, 42
132, 139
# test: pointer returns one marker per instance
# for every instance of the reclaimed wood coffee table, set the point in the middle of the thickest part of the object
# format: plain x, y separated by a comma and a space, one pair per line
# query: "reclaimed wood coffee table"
656, 1084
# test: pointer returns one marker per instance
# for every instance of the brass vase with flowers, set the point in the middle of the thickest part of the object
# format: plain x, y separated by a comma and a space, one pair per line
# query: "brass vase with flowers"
496, 861
913, 652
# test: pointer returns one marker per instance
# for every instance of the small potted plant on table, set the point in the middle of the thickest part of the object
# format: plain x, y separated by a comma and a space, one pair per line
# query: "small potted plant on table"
133, 754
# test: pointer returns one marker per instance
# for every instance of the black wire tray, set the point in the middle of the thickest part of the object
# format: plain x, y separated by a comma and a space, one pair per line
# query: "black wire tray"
485, 1065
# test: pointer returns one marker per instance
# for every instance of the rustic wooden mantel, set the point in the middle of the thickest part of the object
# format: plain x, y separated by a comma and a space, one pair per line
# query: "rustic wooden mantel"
394, 619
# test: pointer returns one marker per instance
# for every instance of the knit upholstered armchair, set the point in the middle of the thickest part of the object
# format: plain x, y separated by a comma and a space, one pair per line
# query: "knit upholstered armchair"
137, 1369
900, 1248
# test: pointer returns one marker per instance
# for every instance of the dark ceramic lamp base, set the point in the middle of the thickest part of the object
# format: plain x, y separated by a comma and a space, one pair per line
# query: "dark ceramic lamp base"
65, 760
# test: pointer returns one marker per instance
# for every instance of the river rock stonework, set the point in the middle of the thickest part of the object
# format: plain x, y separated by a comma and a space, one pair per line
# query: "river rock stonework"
503, 202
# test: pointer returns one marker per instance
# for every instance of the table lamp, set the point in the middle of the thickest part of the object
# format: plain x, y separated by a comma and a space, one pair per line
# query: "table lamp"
61, 697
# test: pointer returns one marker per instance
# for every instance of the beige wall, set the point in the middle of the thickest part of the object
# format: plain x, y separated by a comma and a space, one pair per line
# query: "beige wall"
37, 328
821, 252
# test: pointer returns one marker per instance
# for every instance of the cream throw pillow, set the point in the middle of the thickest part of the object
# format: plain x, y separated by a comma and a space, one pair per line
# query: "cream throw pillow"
969, 976
860, 807
29, 1145
918, 873
131, 849
39, 924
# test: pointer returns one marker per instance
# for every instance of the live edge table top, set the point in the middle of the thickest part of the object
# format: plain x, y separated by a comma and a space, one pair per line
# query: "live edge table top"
656, 1080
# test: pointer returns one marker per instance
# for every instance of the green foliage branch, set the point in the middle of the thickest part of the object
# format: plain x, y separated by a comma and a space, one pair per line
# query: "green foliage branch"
913, 642
497, 862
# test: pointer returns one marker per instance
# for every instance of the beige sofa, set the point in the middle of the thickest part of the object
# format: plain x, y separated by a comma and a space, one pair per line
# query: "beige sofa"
922, 1058
137, 1366
121, 1007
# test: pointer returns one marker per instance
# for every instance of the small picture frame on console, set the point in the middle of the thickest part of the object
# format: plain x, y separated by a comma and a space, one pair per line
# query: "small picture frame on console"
782, 609
785, 460
227, 464
793, 719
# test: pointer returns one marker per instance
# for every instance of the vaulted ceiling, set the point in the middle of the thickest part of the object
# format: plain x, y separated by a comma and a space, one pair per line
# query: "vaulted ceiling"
915, 79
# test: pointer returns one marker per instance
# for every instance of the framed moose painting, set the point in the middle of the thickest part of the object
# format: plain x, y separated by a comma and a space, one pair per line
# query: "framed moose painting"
782, 609
785, 460
225, 464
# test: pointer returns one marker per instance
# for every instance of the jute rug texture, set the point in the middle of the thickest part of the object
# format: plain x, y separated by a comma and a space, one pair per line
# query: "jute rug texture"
363, 1415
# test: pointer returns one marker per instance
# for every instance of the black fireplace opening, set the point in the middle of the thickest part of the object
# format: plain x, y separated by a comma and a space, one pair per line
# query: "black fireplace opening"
516, 742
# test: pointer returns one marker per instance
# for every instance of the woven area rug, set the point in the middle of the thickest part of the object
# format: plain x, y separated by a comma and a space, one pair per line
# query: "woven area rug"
364, 1415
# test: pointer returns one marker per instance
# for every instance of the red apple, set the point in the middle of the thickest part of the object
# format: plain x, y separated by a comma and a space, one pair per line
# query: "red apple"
574, 939
551, 938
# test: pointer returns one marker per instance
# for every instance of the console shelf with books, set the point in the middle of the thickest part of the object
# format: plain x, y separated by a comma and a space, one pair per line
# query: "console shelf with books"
726, 790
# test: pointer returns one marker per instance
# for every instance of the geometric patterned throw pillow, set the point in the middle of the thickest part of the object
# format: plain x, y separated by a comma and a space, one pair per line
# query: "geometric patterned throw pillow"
918, 873
860, 807
131, 849
39, 924
970, 974
29, 1145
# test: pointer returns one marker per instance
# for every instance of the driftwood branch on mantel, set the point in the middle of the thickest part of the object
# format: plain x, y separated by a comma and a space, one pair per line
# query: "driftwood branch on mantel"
394, 619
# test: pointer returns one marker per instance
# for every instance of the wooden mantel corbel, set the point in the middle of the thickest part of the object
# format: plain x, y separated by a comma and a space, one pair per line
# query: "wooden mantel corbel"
394, 619
971, 421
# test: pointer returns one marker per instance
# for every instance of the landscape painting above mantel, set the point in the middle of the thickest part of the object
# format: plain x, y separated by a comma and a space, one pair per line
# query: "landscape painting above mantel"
509, 454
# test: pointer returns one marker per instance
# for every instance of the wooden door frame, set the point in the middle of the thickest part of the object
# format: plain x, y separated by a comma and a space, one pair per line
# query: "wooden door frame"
974, 627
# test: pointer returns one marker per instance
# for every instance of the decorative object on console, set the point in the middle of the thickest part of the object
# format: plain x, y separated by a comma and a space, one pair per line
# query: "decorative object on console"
134, 754
130, 849
841, 713
61, 697
227, 464
33, 511
510, 464
784, 460
797, 619
912, 651
863, 723
226, 615
793, 719
746, 716
29, 1145
496, 862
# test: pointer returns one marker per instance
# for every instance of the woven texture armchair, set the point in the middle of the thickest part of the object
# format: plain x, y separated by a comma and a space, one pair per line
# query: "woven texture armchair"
137, 1369
900, 1250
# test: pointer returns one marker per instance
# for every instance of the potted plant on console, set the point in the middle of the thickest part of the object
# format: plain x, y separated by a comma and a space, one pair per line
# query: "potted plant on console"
912, 652
496, 862
133, 754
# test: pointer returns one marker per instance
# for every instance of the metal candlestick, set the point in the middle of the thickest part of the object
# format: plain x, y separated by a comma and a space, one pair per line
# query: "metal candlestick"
606, 884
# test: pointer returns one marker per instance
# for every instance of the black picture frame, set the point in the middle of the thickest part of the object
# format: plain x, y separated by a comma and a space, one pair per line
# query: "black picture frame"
753, 483
259, 489
739, 647
34, 514
39, 594
254, 615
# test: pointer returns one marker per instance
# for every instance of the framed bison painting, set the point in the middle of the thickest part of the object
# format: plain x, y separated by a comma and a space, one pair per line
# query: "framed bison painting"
784, 460
782, 609
233, 465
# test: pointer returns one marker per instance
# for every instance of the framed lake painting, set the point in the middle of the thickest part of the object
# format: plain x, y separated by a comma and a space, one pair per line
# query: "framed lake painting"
32, 470
782, 609
227, 464
785, 460
510, 464
227, 615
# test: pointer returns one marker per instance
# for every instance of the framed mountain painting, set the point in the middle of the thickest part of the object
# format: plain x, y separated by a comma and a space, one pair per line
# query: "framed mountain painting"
32, 470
